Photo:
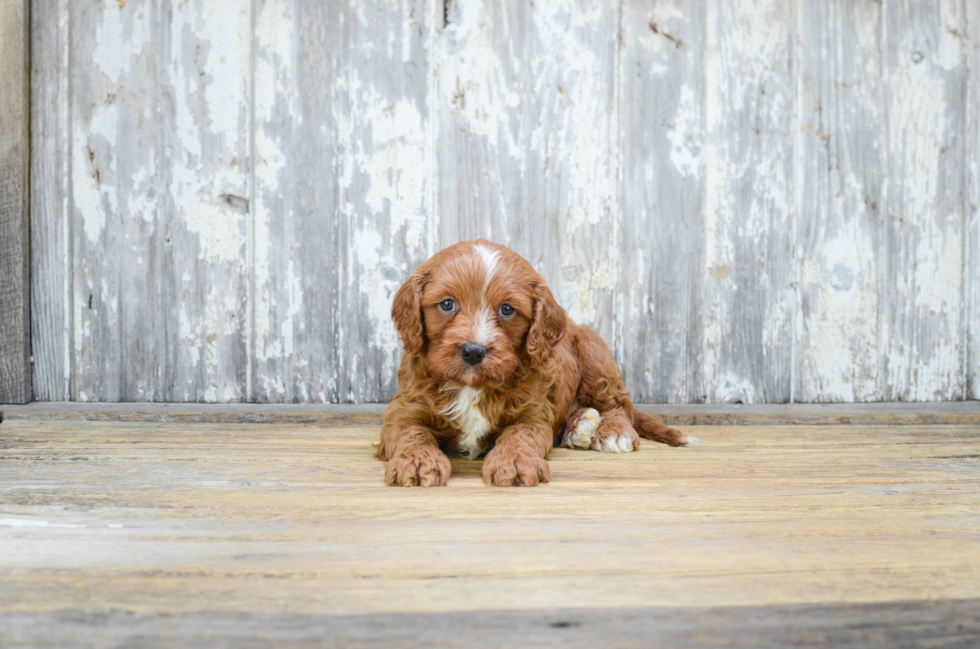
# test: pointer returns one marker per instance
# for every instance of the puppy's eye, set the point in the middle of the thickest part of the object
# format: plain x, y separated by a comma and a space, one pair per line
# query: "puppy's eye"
447, 305
506, 310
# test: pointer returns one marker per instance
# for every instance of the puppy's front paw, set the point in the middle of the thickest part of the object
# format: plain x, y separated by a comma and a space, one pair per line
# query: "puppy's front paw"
504, 467
418, 466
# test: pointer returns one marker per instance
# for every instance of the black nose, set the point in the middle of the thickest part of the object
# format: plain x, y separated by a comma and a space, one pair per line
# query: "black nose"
472, 353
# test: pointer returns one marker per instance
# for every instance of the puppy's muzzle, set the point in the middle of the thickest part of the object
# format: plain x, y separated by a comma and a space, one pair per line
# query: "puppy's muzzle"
472, 354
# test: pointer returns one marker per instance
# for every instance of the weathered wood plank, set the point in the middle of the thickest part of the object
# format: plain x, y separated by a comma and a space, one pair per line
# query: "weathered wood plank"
749, 273
481, 85
297, 344
114, 128
971, 213
882, 414
15, 294
225, 521
923, 321
205, 268
343, 192
386, 219
927, 623
840, 202
51, 223
159, 188
661, 101
118, 197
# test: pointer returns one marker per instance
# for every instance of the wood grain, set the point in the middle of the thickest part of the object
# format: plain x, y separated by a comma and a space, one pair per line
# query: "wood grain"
573, 215
481, 85
159, 175
748, 297
51, 223
516, 85
15, 308
386, 220
971, 208
946, 623
295, 245
115, 129
660, 313
923, 314
180, 521
840, 184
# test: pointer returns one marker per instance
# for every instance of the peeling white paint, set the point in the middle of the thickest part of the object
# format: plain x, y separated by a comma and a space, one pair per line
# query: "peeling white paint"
732, 388
396, 167
219, 230
377, 292
94, 187
842, 325
924, 356
951, 34
294, 285
685, 135
275, 39
478, 84
226, 66
121, 36
507, 118
585, 284
571, 70
190, 337
749, 55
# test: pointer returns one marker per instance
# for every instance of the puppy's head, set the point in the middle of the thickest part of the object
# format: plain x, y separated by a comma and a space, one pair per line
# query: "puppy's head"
477, 312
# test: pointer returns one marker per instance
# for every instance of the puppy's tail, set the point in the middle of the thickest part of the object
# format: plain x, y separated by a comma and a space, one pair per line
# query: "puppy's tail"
649, 427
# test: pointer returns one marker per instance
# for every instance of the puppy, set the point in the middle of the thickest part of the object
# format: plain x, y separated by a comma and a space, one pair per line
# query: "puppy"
491, 361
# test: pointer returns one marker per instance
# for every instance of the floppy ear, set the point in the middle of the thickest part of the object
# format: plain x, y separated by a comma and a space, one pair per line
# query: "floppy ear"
547, 326
406, 311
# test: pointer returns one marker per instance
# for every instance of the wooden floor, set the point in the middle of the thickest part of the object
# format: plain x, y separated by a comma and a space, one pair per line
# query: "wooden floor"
283, 534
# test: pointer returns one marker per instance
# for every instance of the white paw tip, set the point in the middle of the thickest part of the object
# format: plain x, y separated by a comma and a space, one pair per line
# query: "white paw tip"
586, 428
617, 444
691, 440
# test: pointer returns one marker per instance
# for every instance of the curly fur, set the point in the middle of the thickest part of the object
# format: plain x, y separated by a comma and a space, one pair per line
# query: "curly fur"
540, 369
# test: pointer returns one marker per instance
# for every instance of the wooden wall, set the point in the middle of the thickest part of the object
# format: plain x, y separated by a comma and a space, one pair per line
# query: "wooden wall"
751, 200
15, 325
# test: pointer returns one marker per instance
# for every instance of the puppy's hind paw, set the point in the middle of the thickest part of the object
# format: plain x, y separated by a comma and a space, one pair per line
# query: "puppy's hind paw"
617, 441
615, 435
581, 428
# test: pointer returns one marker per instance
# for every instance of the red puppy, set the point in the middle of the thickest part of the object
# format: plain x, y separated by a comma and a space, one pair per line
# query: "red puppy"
492, 361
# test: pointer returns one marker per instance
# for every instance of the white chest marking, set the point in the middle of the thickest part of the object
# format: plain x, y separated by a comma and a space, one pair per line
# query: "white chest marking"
465, 411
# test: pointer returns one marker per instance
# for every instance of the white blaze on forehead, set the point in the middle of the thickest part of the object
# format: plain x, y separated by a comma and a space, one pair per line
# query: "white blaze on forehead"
465, 411
490, 259
483, 324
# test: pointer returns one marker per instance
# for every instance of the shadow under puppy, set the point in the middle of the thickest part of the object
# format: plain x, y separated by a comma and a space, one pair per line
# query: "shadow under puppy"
492, 361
